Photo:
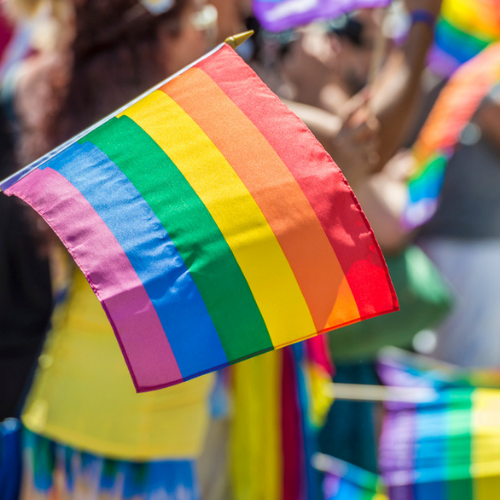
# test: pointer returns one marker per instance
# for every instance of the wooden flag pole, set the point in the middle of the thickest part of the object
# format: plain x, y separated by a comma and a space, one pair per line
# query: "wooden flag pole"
359, 392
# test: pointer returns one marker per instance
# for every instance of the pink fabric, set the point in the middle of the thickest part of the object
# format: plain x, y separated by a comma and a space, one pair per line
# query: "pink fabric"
319, 353
6, 33
113, 278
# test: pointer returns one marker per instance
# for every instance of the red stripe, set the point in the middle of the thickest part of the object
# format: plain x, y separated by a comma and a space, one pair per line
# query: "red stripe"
320, 179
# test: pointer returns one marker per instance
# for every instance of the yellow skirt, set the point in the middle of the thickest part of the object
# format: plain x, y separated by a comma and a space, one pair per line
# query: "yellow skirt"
83, 395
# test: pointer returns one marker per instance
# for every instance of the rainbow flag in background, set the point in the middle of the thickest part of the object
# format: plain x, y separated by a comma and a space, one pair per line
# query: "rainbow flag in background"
464, 29
422, 371
210, 223
441, 133
280, 15
345, 481
276, 409
447, 449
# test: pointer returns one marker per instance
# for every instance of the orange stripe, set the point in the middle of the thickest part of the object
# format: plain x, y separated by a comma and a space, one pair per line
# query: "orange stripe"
284, 205
345, 308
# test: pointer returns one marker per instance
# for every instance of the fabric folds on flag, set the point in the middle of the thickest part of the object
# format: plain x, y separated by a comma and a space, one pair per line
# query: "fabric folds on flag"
280, 15
210, 223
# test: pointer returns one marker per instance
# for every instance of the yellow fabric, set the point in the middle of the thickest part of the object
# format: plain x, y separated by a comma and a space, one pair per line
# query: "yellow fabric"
321, 399
256, 469
83, 393
478, 18
257, 252
485, 459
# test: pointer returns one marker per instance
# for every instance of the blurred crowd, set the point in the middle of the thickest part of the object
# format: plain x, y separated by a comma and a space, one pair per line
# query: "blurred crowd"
364, 86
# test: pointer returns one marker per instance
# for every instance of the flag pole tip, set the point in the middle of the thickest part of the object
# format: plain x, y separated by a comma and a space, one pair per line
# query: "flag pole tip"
236, 40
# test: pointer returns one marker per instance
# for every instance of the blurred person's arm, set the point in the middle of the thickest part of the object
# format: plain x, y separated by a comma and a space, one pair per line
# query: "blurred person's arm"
397, 89
383, 198
352, 142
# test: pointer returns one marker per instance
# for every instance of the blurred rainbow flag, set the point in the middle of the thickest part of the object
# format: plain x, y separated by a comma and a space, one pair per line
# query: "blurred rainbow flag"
464, 29
210, 223
444, 449
345, 481
280, 15
440, 136
279, 404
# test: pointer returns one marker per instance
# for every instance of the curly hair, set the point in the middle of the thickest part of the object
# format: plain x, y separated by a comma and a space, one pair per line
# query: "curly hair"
109, 56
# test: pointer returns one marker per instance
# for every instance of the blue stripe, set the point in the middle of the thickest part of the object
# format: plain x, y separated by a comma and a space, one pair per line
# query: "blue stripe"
309, 434
151, 252
349, 491
459, 44
430, 452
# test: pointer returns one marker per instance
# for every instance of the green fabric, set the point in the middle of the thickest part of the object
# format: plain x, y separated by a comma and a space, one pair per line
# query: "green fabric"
459, 446
424, 300
150, 170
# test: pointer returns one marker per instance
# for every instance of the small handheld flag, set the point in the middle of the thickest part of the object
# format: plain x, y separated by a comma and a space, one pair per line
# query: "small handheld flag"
441, 133
210, 223
441, 449
345, 481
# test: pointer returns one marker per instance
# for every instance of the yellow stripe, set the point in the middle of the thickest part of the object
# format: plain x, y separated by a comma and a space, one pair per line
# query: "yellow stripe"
256, 445
234, 210
485, 456
476, 18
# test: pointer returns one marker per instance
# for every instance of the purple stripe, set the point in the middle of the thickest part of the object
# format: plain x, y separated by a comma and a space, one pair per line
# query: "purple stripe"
285, 14
397, 453
113, 278
397, 441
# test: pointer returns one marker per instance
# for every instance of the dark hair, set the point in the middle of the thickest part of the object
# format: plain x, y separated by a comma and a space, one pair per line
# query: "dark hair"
348, 28
101, 24
110, 57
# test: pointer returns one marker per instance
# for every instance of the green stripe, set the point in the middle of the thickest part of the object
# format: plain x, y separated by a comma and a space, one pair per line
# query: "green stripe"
211, 263
477, 40
458, 449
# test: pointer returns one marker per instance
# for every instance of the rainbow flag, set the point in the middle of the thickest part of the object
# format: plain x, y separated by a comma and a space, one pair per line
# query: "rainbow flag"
345, 481
446, 449
441, 133
210, 223
423, 371
276, 409
280, 15
464, 29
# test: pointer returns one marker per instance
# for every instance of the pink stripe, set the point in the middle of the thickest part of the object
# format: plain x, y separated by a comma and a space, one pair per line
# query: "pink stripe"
109, 272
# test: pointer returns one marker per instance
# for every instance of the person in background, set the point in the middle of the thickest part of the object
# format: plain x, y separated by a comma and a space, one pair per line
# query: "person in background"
25, 289
88, 435
362, 132
343, 62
